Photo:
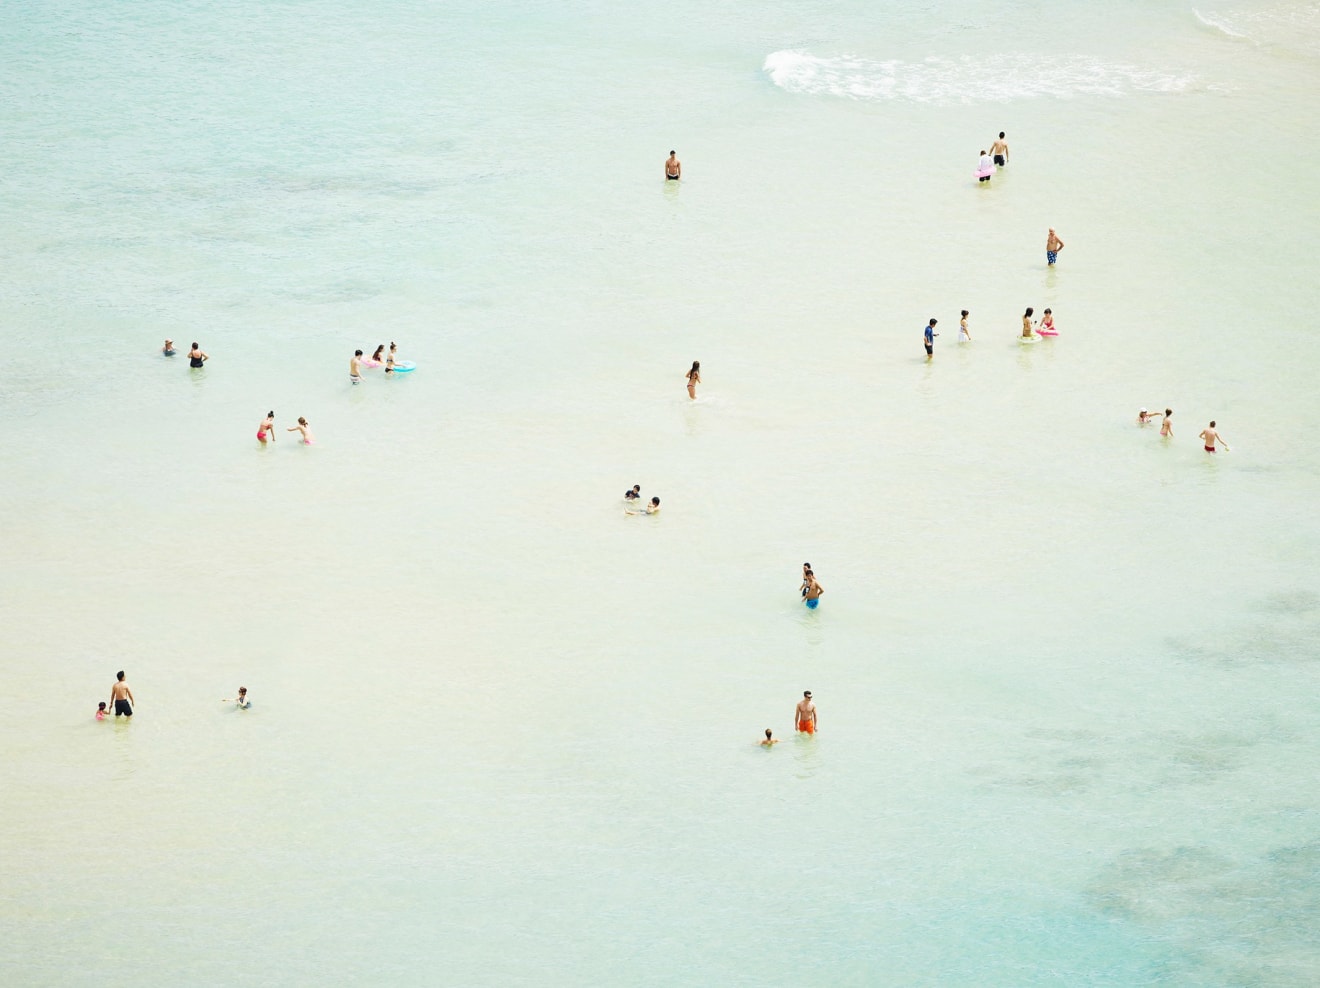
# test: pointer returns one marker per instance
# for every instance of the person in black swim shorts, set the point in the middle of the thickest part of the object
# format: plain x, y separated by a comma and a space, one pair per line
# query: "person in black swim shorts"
1000, 150
121, 697
673, 167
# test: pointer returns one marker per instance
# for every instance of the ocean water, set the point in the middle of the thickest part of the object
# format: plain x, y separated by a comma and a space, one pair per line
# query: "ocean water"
504, 734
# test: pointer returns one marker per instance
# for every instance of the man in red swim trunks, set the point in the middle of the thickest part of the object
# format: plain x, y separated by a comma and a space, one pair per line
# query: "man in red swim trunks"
1209, 436
806, 714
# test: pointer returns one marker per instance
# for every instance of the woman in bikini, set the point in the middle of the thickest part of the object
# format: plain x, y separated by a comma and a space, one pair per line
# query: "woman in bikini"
693, 379
378, 357
1026, 323
393, 356
267, 429
305, 429
196, 357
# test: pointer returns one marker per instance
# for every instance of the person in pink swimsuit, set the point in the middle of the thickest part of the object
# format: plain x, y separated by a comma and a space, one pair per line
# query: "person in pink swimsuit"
267, 429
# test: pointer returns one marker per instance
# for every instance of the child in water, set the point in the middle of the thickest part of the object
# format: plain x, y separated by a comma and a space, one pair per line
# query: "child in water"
305, 429
768, 739
963, 335
241, 700
100, 710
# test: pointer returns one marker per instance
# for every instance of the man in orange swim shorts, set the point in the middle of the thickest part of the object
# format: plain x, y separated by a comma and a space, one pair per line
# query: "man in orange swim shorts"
806, 714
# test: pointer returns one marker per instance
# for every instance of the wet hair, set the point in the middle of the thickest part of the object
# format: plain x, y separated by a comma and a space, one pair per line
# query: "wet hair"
1029, 311
933, 320
357, 353
806, 693
806, 565
242, 689
301, 420
637, 487
964, 312
696, 365
393, 345
672, 151
120, 675
1001, 135
271, 413
767, 730
1048, 311
194, 346
655, 500
1212, 423
1168, 412
376, 355
101, 705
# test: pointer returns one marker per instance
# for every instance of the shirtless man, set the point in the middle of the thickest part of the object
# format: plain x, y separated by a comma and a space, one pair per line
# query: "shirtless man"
121, 697
355, 367
811, 597
1052, 247
1209, 435
1166, 427
673, 167
1000, 150
805, 714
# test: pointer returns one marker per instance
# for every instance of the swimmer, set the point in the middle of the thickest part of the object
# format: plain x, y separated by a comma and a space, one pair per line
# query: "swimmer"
267, 426
634, 494
196, 357
768, 742
391, 358
1000, 150
241, 700
302, 427
673, 167
813, 591
121, 697
1047, 322
963, 335
377, 358
1145, 418
1209, 435
355, 367
1027, 331
1052, 247
693, 379
1166, 427
101, 711
168, 348
929, 335
654, 507
804, 715
985, 167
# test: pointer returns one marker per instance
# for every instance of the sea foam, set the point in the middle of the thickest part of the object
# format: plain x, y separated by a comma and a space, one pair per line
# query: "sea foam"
994, 78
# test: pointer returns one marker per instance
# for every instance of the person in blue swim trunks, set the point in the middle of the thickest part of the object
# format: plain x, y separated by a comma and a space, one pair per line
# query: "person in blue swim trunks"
1052, 247
813, 590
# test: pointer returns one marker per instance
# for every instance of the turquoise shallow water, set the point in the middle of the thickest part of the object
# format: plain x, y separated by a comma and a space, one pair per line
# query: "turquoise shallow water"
503, 734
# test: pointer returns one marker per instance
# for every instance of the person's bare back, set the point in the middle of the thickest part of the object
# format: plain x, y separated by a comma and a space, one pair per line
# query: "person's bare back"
1210, 435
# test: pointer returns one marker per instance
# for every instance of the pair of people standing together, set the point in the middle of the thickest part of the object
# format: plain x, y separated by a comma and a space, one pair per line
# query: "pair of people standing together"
266, 430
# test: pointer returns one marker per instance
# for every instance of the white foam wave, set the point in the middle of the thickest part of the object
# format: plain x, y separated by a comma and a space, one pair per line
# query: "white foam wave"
1289, 26
995, 79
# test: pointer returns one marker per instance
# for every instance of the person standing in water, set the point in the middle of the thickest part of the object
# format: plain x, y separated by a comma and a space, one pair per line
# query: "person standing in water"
804, 714
812, 597
929, 334
1000, 150
392, 358
633, 495
121, 697
168, 348
984, 168
1209, 435
1166, 427
267, 428
1052, 247
355, 367
673, 167
963, 335
769, 740
693, 379
196, 357
1027, 331
1145, 418
302, 427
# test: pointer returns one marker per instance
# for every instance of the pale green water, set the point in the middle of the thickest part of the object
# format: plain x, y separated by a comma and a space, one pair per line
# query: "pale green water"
502, 734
